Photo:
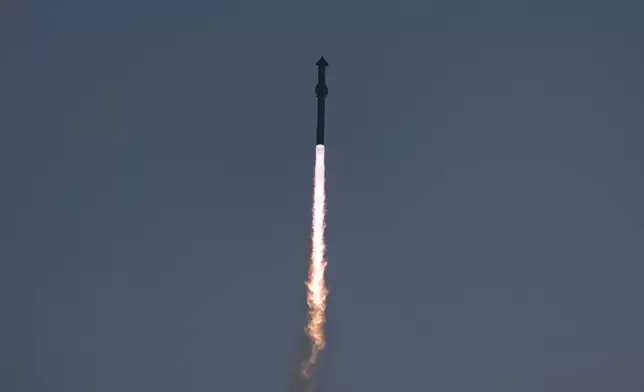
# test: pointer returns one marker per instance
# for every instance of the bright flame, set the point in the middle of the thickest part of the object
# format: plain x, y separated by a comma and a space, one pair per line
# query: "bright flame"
317, 292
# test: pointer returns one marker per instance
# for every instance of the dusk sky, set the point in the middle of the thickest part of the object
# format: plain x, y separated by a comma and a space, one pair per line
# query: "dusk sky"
485, 185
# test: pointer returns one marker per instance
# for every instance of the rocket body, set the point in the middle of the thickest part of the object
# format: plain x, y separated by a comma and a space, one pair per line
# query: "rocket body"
321, 91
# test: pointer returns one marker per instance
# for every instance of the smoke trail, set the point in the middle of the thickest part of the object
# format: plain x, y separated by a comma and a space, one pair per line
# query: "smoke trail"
317, 292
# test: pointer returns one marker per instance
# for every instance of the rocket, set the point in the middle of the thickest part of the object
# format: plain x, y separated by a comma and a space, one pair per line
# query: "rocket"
321, 91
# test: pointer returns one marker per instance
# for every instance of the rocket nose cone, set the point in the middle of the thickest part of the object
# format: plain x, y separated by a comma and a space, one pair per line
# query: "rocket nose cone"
322, 62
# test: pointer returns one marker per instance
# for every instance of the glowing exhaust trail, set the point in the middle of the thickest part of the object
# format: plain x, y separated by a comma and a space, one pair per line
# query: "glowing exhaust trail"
317, 292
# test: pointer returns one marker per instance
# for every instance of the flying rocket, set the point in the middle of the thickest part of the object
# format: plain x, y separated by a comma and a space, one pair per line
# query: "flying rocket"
321, 91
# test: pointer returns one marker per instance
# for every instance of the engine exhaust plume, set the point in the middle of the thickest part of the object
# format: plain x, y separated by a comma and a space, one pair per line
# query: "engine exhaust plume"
317, 292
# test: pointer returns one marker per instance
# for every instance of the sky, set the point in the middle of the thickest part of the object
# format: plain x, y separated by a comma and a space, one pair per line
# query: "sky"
484, 178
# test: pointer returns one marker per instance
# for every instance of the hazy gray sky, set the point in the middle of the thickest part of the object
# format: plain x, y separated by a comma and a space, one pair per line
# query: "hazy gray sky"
485, 190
